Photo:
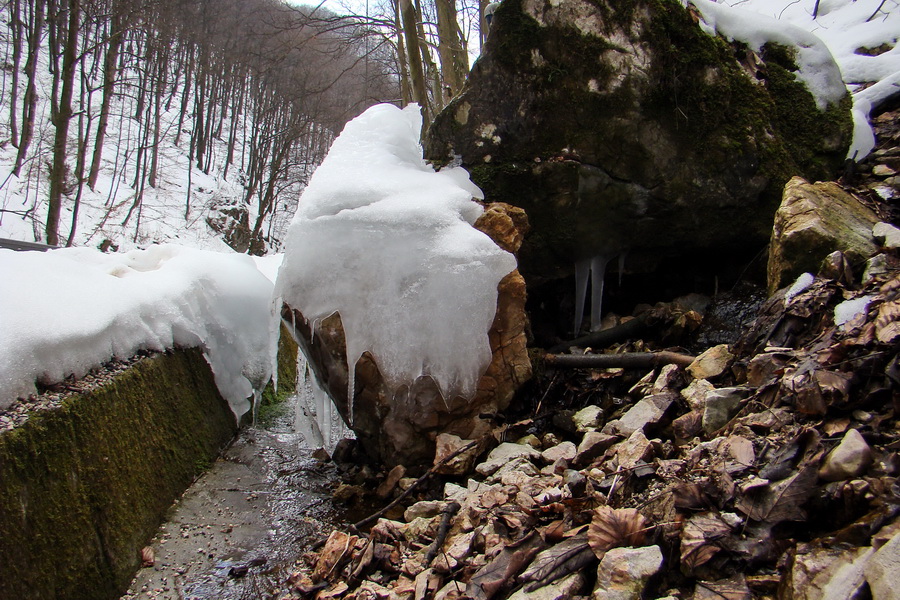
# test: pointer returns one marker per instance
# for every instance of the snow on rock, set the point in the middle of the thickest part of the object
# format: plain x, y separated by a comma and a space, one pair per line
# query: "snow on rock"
67, 311
817, 68
386, 241
799, 286
848, 310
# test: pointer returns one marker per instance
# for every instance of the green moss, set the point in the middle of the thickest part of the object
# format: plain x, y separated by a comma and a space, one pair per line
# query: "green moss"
85, 485
287, 371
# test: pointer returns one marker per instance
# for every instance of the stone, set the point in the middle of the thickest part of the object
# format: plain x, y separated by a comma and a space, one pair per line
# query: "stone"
561, 589
849, 459
695, 393
424, 509
887, 235
454, 492
821, 573
882, 170
623, 572
519, 465
883, 571
587, 418
446, 444
402, 428
592, 445
813, 221
390, 482
600, 146
530, 440
711, 362
688, 425
721, 405
565, 451
505, 453
668, 377
647, 411
633, 450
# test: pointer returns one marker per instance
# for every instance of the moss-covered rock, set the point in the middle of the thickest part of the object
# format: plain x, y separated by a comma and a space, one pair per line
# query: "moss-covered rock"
622, 127
85, 485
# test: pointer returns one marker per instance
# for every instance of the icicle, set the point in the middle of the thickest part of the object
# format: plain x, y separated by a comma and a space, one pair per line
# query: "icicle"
598, 271
582, 270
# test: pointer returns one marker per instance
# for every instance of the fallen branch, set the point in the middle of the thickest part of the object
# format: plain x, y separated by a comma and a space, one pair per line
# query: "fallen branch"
601, 339
447, 516
375, 516
628, 360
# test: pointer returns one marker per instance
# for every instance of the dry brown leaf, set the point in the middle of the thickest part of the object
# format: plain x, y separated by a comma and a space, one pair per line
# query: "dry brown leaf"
698, 539
148, 556
616, 527
781, 501
338, 546
887, 323
494, 497
836, 426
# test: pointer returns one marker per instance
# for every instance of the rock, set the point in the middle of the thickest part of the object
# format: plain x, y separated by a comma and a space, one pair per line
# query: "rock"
695, 393
688, 425
883, 571
887, 235
623, 572
592, 445
882, 170
530, 440
424, 509
600, 146
403, 429
565, 451
447, 444
821, 573
721, 405
813, 221
668, 377
711, 363
390, 482
647, 411
519, 466
561, 589
633, 450
454, 492
849, 459
587, 418
505, 453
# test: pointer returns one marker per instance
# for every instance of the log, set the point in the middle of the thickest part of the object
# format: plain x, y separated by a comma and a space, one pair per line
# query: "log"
601, 339
628, 360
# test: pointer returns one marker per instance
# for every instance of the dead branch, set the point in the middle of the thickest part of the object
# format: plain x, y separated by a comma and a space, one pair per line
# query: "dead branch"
628, 360
601, 339
446, 516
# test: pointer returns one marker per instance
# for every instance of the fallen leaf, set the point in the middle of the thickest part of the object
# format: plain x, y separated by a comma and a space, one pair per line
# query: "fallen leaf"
781, 501
148, 556
699, 538
490, 578
616, 527
557, 561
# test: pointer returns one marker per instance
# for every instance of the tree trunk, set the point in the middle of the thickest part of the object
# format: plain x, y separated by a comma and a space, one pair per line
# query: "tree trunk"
17, 61
451, 48
110, 66
416, 71
29, 102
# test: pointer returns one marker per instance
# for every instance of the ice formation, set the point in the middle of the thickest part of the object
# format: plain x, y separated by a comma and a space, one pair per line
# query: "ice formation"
386, 241
67, 311
800, 285
817, 68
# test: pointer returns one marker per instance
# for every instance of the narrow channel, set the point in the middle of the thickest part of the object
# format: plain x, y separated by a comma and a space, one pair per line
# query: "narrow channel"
238, 530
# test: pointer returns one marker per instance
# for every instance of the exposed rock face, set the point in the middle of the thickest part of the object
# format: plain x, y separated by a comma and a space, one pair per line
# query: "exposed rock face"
813, 221
625, 128
401, 428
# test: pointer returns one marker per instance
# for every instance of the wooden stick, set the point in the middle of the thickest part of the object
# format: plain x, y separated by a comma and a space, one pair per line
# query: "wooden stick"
448, 512
628, 360
601, 339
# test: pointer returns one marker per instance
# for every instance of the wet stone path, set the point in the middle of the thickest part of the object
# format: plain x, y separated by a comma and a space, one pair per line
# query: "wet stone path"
237, 531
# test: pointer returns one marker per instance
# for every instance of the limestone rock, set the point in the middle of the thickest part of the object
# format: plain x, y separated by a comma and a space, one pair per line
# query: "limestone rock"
402, 429
587, 418
849, 459
623, 572
695, 393
592, 445
821, 573
887, 235
813, 221
711, 363
505, 453
447, 444
562, 589
633, 450
883, 571
647, 411
666, 148
424, 509
721, 405
565, 451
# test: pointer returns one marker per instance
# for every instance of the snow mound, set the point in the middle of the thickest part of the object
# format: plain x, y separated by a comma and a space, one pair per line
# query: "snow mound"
817, 68
387, 242
67, 311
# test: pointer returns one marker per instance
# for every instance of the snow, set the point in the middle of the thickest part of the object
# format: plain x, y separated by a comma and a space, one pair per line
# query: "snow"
800, 285
848, 310
67, 311
387, 242
844, 27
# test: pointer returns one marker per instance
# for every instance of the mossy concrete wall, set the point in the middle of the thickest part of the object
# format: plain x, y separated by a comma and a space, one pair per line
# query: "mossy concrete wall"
83, 487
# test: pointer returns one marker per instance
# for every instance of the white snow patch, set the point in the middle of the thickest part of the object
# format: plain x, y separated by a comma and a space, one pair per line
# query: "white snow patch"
848, 310
67, 311
817, 68
386, 241
800, 285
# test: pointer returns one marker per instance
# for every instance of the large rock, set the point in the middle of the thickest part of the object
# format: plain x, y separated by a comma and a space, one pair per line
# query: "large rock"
814, 220
625, 128
402, 428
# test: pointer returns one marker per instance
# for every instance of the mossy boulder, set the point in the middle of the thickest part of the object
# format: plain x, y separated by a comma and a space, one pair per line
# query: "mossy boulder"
622, 127
86, 484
